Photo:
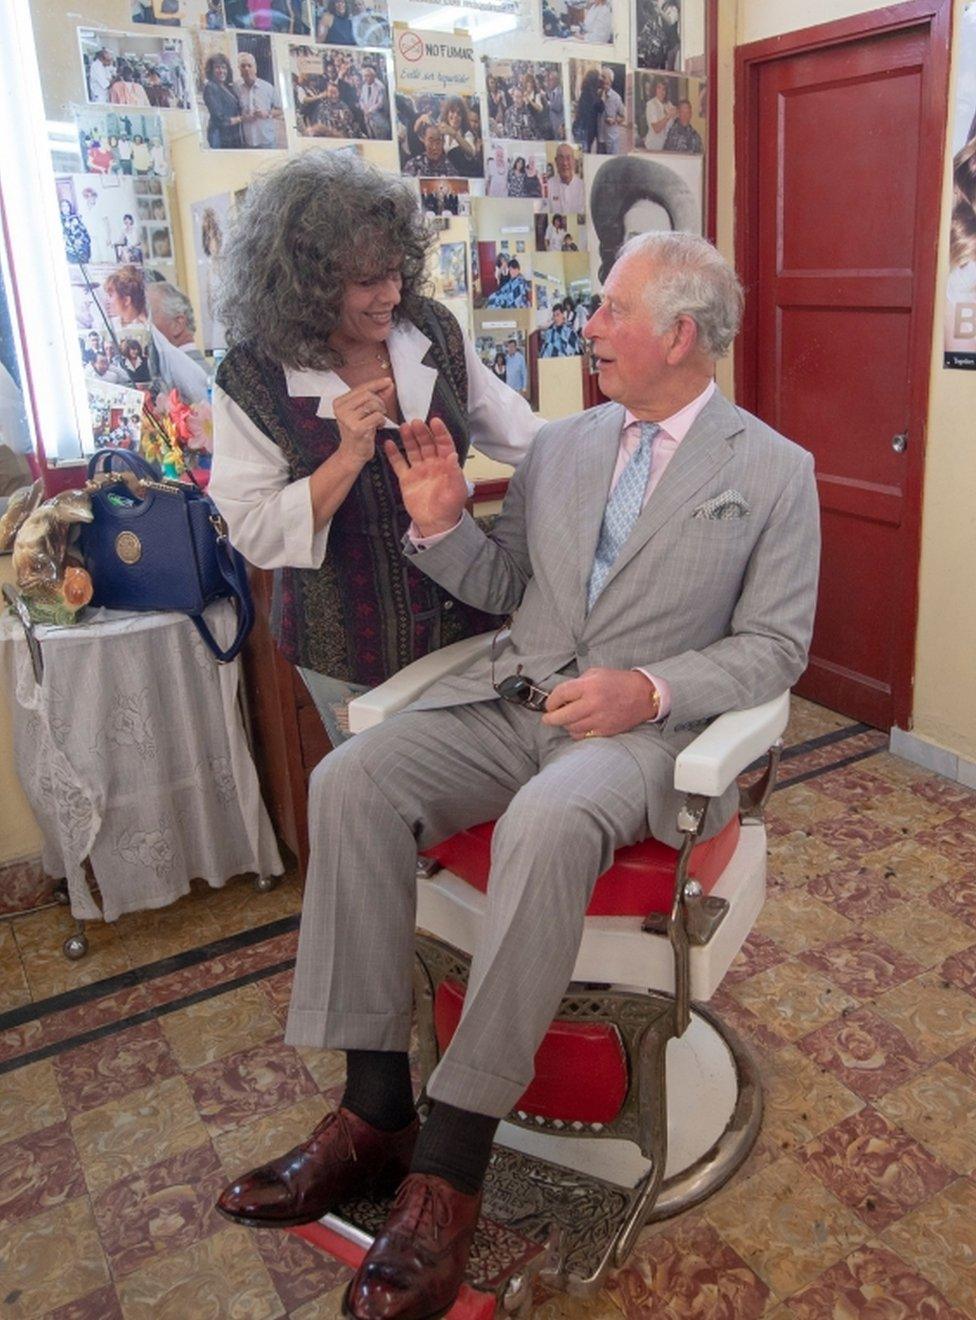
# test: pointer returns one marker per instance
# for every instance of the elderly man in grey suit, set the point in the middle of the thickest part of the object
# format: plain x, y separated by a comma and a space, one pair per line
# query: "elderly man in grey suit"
659, 558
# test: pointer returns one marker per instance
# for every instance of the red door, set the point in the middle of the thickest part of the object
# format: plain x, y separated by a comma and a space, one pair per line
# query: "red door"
840, 245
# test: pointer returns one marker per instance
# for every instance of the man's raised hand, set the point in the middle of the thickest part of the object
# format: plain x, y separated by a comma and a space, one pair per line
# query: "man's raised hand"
431, 481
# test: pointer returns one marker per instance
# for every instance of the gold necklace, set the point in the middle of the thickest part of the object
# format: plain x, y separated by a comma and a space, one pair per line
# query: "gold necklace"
378, 356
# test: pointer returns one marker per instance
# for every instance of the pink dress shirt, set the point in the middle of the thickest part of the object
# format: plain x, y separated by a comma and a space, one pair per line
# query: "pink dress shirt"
672, 431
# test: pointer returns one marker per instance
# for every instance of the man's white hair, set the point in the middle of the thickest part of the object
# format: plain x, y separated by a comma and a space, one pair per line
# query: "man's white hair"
690, 278
174, 301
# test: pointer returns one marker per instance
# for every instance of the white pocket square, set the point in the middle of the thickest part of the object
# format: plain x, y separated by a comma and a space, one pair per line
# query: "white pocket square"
729, 504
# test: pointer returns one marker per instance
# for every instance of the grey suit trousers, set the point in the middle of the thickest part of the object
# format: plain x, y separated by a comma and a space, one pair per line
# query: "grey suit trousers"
563, 807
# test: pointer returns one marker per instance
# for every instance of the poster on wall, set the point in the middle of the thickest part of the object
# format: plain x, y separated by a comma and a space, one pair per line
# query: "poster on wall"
120, 68
670, 113
524, 100
590, 21
341, 93
628, 195
656, 25
122, 141
237, 93
438, 115
959, 346
210, 220
352, 22
598, 107
289, 16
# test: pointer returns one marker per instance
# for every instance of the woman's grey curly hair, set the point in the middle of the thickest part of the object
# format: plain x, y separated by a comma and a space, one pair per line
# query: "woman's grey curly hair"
321, 220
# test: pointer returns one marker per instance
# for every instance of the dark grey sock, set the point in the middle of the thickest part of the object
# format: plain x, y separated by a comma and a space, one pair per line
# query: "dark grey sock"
455, 1144
378, 1088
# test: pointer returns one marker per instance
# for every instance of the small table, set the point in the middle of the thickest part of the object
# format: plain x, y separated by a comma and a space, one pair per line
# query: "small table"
132, 754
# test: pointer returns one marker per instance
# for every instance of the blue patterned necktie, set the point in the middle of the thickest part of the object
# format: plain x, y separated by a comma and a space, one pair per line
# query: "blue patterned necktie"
621, 513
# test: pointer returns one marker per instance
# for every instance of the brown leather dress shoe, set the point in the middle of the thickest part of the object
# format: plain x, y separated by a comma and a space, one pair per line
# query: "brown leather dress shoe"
415, 1267
345, 1156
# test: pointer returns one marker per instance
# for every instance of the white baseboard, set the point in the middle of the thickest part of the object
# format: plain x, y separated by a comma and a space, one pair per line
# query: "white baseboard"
933, 757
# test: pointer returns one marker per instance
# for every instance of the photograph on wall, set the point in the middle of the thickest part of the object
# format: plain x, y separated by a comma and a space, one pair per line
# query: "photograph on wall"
599, 113
120, 68
116, 416
516, 169
561, 284
657, 33
440, 136
670, 113
341, 93
505, 243
122, 141
237, 93
555, 232
524, 99
288, 16
959, 347
440, 197
352, 22
201, 14
99, 219
590, 21
210, 221
627, 195
502, 342
565, 194
452, 270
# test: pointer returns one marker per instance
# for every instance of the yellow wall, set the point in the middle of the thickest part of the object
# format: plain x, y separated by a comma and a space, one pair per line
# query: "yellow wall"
945, 690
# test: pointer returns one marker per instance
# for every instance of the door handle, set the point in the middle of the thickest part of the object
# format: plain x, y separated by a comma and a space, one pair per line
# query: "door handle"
899, 442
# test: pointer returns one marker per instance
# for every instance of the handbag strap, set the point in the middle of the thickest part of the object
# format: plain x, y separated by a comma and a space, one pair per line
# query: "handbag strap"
105, 460
234, 572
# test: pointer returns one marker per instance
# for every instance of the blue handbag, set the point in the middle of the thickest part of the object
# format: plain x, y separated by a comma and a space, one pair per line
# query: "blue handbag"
166, 551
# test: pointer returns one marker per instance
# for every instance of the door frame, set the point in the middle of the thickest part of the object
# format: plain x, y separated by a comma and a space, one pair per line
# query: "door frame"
936, 16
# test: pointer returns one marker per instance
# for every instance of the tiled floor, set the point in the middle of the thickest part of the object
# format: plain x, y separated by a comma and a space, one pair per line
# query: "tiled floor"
149, 1073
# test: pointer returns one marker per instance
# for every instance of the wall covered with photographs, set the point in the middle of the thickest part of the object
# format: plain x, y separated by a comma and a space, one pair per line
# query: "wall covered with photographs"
538, 139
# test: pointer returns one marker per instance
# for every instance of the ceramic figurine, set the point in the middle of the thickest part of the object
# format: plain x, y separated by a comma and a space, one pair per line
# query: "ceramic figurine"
53, 588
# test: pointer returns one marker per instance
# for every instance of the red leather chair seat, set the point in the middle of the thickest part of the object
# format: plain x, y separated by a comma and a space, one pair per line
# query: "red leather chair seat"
580, 1067
640, 881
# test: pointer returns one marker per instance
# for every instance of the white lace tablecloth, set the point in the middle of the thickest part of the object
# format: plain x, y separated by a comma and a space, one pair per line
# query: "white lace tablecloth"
132, 754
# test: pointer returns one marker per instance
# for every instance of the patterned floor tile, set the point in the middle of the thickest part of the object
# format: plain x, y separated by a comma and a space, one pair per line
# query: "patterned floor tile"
874, 1168
801, 1100
299, 1271
239, 906
938, 1241
875, 1284
955, 838
762, 1036
17, 1041
854, 785
328, 1067
937, 1108
243, 1086
29, 1100
28, 1249
805, 805
933, 1015
786, 1226
326, 1307
796, 921
896, 770
163, 932
865, 1052
265, 1138
676, 1274
756, 955
105, 1069
921, 931
808, 720
793, 999
861, 965
14, 990
100, 1012
23, 885
960, 969
945, 793
39, 939
855, 833
221, 1276
957, 897
135, 1131
225, 1024
160, 1209
278, 990
102, 1304
913, 866
221, 969
796, 857
965, 1060
865, 892
38, 1172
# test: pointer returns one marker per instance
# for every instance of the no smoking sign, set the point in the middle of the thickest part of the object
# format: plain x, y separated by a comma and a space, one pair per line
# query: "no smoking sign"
410, 47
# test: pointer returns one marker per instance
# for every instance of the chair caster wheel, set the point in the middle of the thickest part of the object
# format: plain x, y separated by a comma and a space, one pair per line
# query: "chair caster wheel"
60, 893
75, 946
265, 883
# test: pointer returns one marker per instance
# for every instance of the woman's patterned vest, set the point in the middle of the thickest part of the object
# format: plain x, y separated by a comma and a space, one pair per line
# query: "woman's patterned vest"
367, 611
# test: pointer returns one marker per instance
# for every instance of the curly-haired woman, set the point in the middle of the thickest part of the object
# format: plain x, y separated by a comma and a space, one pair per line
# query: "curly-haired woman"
333, 343
224, 124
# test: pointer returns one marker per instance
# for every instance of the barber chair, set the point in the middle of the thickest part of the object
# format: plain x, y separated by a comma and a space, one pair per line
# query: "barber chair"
643, 1102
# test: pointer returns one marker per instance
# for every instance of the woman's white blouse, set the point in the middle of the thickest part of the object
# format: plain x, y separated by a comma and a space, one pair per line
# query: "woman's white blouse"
269, 516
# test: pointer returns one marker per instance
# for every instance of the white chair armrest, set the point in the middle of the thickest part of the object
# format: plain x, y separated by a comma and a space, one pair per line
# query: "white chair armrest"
399, 691
733, 741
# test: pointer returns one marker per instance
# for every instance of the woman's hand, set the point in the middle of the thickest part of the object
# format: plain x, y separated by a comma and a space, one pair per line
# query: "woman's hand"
360, 413
431, 481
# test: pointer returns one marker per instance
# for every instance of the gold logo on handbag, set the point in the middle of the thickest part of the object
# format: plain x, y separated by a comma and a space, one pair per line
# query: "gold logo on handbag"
128, 547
